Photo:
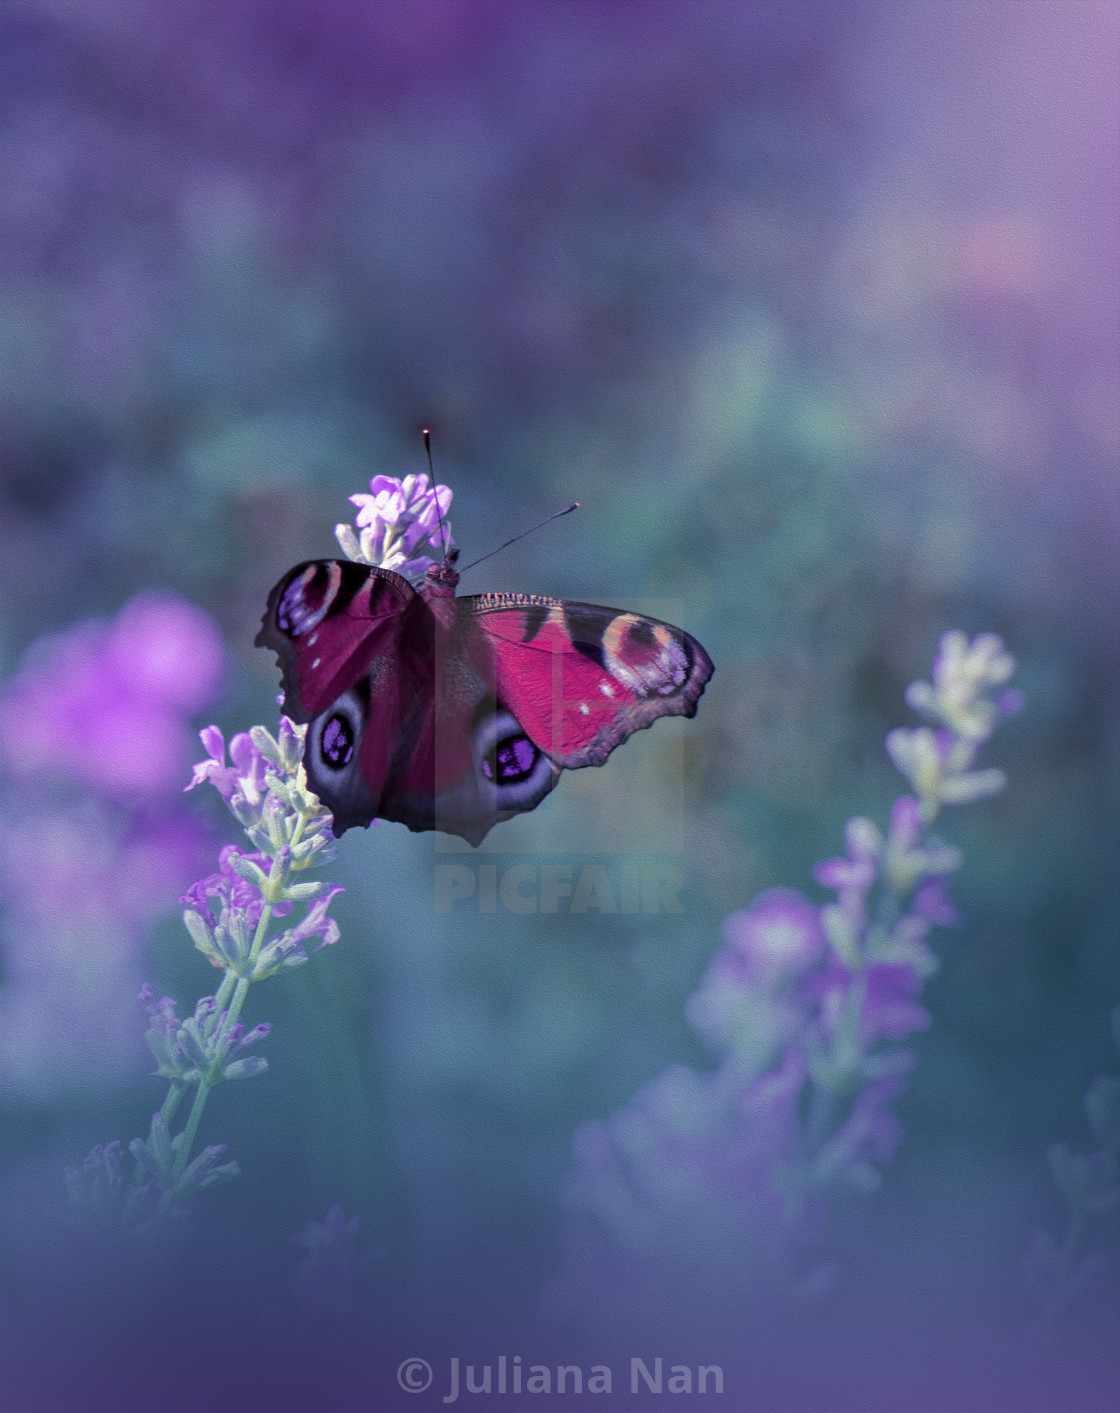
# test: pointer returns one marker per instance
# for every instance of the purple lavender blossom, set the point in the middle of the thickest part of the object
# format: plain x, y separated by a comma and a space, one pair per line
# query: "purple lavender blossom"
93, 841
105, 705
746, 1003
715, 1182
399, 524
1059, 1269
229, 915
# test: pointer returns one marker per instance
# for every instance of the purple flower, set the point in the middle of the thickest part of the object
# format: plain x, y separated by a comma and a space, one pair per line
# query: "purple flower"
774, 939
399, 524
868, 1136
885, 994
932, 903
289, 949
770, 1106
745, 1005
907, 859
229, 889
104, 704
245, 779
857, 871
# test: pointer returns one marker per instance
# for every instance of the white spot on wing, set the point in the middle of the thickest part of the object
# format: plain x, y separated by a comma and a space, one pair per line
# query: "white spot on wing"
316, 663
606, 689
585, 709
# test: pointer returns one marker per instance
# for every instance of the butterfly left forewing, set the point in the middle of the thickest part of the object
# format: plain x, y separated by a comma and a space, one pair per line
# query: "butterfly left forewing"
327, 620
581, 678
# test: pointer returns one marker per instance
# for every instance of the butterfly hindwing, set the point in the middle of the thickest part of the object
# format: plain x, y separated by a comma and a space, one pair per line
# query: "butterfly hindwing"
581, 678
464, 763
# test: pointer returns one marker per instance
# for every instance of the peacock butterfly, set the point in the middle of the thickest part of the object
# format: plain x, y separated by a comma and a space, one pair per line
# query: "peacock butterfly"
455, 713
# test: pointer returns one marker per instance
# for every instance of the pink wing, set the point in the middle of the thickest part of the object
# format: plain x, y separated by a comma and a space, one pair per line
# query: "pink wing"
339, 630
328, 620
581, 679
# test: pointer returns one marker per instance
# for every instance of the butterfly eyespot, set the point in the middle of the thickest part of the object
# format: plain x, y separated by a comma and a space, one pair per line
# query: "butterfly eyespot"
510, 761
307, 599
336, 744
645, 657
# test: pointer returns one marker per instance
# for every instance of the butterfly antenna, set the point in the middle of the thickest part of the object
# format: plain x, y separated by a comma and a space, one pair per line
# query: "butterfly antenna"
435, 492
567, 511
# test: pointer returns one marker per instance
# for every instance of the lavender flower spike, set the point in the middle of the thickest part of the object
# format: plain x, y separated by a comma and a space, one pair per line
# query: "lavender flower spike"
229, 915
716, 1181
937, 762
399, 524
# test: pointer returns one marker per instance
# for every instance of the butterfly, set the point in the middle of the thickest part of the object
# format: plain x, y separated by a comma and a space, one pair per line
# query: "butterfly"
455, 713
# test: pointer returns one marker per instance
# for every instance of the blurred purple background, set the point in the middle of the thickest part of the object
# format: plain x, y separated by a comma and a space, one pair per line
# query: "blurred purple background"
814, 307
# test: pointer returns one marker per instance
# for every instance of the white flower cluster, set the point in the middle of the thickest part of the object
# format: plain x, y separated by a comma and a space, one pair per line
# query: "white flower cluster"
937, 760
399, 526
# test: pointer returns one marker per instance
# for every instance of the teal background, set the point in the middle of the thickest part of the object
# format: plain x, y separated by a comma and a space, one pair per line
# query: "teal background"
814, 308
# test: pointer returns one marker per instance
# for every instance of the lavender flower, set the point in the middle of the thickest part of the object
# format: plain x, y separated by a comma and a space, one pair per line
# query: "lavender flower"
718, 1181
399, 524
938, 762
104, 705
94, 737
229, 916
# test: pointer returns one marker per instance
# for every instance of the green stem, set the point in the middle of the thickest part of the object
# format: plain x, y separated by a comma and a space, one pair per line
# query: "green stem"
240, 990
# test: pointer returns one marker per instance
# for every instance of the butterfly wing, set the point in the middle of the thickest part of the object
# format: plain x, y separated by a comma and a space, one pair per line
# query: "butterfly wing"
456, 713
462, 763
580, 679
337, 629
328, 620
398, 691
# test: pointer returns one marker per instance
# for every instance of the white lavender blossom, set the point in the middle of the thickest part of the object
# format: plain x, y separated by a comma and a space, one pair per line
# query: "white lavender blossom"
938, 762
399, 526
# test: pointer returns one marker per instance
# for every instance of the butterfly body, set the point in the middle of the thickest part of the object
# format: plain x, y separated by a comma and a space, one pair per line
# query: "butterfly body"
455, 713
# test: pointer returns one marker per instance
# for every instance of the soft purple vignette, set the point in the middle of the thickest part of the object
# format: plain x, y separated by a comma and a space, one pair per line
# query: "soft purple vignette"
710, 1188
94, 840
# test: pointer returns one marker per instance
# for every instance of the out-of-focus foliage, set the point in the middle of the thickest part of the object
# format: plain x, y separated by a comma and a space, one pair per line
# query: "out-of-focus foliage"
814, 308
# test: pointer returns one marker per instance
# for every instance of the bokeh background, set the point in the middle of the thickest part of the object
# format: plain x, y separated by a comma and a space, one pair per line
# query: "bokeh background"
814, 307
